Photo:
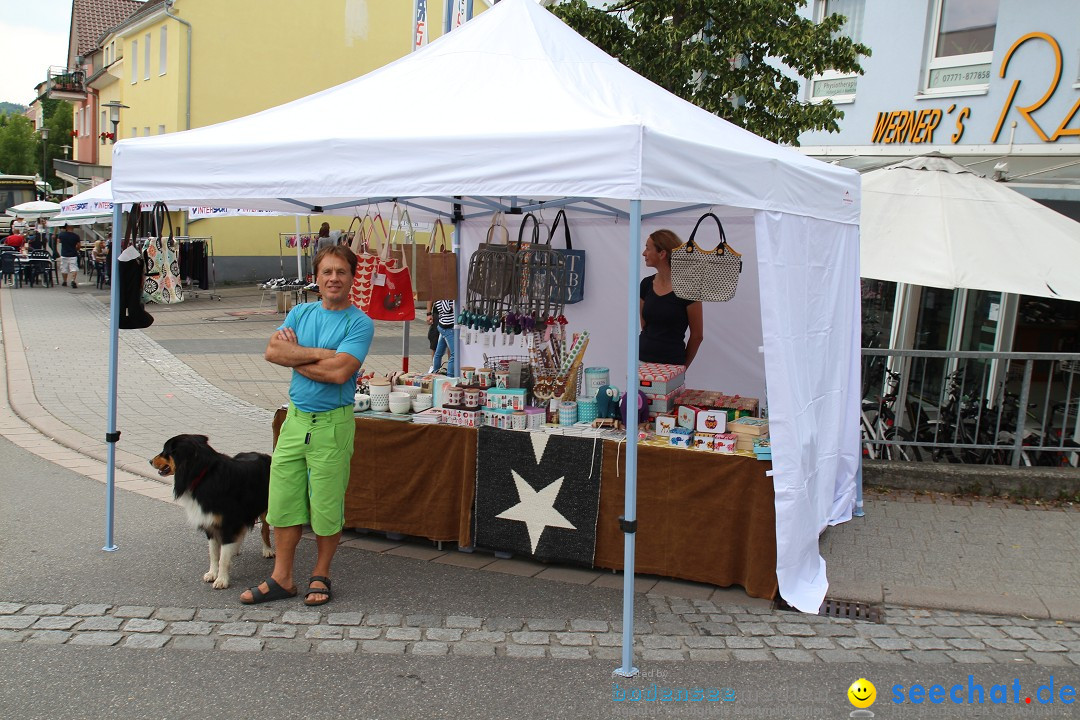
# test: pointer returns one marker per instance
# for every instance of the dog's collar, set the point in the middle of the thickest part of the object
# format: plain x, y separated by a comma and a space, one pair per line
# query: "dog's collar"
198, 479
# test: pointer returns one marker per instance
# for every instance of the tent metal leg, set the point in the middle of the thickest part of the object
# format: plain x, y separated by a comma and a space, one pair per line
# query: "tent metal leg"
111, 436
629, 519
858, 490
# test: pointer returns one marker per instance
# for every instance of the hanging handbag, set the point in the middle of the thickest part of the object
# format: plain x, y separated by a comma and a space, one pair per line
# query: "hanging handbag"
539, 282
162, 283
438, 279
487, 288
367, 262
391, 288
574, 259
705, 275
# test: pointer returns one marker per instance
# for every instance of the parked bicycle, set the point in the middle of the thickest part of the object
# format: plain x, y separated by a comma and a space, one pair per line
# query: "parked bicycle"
880, 431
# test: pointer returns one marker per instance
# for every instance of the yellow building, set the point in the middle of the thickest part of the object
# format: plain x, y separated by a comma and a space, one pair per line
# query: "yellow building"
180, 64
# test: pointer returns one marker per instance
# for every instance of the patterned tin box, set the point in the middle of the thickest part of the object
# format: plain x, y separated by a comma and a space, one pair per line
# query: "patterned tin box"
660, 379
680, 437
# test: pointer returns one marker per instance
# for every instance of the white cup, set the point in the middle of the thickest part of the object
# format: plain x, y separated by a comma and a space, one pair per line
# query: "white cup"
362, 402
419, 405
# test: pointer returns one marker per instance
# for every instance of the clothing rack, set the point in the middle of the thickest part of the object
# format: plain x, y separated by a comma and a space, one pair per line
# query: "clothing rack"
188, 279
283, 238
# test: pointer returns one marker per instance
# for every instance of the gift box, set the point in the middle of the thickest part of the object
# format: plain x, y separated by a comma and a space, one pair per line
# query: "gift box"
501, 418
660, 379
534, 418
744, 442
749, 426
724, 442
715, 400
763, 448
680, 437
664, 424
711, 421
687, 416
513, 398
663, 403
439, 384
702, 441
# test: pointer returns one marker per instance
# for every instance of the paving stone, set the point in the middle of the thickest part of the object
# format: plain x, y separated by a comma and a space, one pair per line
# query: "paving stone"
794, 655
465, 622
1049, 658
1006, 644
932, 643
1058, 634
745, 643
365, 633
485, 636
1046, 646
172, 614
383, 647
886, 643
336, 647
674, 654
13, 636
43, 609
240, 629
946, 620
423, 621
545, 625
406, 633
780, 641
473, 649
531, 638
589, 626
101, 623
526, 651
871, 630
950, 632
705, 643
259, 615
17, 622
835, 630
640, 627
794, 629
193, 642
194, 627
613, 653
10, 608
839, 656
927, 657
719, 629
881, 657
133, 611
299, 617
569, 653
221, 615
287, 645
49, 637
503, 624
87, 610
855, 643
679, 628
612, 639
346, 618
324, 632
751, 655
969, 656
985, 632
144, 625
816, 643
1074, 657
578, 639
55, 622
145, 642
709, 655
1021, 633
429, 648
967, 644
276, 630
917, 631
443, 634
242, 644
755, 628
656, 642
100, 639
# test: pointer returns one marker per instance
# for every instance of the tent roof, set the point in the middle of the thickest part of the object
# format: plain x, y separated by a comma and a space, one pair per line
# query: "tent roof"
512, 104
930, 221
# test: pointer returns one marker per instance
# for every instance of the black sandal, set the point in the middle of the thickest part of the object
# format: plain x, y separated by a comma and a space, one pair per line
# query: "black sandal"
318, 591
274, 592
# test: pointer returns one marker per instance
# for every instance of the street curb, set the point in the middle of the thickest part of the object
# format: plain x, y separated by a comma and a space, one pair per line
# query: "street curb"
1043, 483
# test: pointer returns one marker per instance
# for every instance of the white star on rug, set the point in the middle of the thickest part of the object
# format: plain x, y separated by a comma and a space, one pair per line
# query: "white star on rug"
536, 509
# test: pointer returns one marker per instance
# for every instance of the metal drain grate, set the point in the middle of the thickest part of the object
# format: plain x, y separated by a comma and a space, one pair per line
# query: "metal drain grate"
846, 609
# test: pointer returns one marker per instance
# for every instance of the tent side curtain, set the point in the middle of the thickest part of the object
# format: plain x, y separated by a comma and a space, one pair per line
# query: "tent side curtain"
809, 286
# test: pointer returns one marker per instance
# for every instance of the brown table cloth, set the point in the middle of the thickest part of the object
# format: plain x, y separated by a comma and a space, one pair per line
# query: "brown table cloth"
701, 516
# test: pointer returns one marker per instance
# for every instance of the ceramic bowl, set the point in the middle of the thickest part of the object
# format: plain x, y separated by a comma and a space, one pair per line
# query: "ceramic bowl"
412, 390
400, 396
400, 406
362, 402
419, 405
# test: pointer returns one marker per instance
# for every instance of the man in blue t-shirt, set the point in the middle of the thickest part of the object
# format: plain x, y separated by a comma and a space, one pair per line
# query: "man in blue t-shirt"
324, 343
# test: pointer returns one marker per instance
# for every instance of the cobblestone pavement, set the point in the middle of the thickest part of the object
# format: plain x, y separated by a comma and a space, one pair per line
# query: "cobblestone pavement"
685, 630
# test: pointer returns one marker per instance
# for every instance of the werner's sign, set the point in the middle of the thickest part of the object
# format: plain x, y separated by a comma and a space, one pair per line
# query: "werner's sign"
919, 126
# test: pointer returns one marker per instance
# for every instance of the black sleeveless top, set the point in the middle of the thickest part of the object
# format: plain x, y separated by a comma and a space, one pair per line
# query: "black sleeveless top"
663, 338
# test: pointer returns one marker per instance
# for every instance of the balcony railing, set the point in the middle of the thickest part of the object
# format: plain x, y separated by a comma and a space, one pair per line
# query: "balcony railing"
66, 80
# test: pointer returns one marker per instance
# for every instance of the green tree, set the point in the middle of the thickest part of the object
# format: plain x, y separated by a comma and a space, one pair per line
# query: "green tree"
724, 55
59, 117
17, 145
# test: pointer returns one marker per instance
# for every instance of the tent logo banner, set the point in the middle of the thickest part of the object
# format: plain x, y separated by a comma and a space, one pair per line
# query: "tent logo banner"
461, 8
538, 494
420, 33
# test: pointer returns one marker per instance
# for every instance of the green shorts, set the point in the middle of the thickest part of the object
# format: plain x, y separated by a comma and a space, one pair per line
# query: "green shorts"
310, 470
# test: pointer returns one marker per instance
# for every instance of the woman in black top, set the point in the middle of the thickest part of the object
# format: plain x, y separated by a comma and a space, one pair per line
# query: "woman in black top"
665, 318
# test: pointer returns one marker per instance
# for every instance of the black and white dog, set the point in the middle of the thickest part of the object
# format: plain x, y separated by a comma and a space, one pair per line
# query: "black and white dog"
223, 496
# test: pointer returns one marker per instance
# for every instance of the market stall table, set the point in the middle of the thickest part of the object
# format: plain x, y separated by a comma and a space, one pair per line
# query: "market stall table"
702, 516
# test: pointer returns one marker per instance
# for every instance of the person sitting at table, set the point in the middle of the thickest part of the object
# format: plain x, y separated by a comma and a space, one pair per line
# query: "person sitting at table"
665, 317
16, 240
100, 257
35, 241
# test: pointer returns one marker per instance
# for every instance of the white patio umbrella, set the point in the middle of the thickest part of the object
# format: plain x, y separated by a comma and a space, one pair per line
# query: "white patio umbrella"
34, 209
930, 221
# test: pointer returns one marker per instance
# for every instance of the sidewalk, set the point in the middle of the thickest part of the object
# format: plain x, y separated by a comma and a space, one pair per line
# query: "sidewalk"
199, 368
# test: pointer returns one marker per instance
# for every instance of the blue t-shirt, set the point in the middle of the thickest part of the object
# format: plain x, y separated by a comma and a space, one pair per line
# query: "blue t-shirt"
344, 331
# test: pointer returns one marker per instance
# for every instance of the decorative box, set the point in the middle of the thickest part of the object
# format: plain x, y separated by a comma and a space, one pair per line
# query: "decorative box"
711, 421
763, 448
452, 414
687, 416
535, 417
716, 400
498, 418
513, 398
749, 426
664, 424
680, 437
472, 418
702, 441
439, 384
663, 403
724, 442
660, 379
744, 442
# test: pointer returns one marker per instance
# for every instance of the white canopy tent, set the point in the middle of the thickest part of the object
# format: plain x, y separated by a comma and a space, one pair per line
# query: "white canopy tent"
536, 113
930, 221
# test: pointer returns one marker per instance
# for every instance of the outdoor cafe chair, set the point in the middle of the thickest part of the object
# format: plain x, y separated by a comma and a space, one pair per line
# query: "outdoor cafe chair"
41, 265
9, 268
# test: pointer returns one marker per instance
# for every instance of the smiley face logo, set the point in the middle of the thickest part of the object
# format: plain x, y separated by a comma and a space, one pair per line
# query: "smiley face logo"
862, 693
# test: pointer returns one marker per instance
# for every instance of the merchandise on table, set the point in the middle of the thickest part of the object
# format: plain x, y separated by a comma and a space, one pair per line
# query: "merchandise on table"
568, 413
586, 409
513, 398
763, 448
680, 437
660, 379
431, 416
595, 378
687, 415
750, 426
440, 386
501, 418
724, 442
664, 403
716, 400
534, 417
702, 441
711, 421
744, 442
664, 424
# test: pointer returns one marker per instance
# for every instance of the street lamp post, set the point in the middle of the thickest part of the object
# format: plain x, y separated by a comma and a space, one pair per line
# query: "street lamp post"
115, 106
44, 142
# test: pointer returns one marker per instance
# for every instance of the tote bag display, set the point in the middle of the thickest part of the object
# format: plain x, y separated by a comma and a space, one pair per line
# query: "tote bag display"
438, 278
367, 262
391, 286
705, 275
162, 282
574, 259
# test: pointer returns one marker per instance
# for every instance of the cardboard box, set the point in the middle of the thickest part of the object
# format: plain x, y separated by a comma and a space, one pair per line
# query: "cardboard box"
711, 421
680, 437
724, 442
663, 403
513, 398
749, 426
660, 379
702, 441
687, 416
664, 424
